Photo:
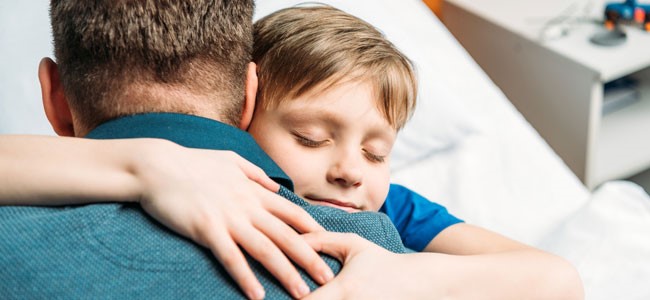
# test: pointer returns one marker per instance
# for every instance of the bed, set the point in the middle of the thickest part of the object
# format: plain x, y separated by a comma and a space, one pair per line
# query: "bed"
466, 147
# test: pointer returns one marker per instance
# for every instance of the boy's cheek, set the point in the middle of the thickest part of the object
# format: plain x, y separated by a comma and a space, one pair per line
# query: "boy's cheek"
378, 191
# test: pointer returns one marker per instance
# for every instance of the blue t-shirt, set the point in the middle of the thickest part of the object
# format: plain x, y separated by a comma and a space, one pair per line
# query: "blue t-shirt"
417, 219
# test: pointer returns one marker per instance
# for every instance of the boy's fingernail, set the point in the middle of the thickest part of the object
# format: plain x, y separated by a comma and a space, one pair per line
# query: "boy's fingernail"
327, 275
302, 290
256, 294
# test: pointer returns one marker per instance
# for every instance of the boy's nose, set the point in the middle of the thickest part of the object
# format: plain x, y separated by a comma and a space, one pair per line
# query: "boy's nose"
345, 172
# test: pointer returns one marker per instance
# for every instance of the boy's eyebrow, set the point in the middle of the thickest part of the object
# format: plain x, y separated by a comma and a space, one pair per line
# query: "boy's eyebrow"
311, 115
333, 119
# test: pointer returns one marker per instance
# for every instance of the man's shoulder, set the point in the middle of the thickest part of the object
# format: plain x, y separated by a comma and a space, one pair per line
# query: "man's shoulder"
104, 229
106, 250
373, 226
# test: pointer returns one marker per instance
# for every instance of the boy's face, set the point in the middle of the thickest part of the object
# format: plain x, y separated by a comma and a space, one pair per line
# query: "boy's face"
335, 145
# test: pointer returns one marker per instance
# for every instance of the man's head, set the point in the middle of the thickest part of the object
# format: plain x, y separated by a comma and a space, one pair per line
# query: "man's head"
332, 94
117, 58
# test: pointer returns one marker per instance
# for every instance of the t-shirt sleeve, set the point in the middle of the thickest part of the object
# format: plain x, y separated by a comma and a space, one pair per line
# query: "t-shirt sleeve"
417, 219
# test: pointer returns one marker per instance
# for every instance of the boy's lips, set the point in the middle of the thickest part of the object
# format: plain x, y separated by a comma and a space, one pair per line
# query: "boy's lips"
346, 206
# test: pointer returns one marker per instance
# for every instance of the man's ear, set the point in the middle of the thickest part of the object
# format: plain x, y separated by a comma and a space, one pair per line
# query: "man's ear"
251, 94
54, 100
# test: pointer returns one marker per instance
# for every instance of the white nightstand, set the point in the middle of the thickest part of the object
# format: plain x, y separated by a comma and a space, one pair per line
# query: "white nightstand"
557, 84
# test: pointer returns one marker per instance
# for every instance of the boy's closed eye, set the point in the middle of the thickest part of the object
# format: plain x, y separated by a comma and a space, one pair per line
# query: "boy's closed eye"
375, 158
308, 141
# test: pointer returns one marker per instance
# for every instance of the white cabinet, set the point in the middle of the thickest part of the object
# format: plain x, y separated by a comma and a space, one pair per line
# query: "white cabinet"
539, 54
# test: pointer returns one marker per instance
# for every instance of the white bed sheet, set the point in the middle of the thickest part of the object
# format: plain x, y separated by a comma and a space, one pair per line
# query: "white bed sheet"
608, 240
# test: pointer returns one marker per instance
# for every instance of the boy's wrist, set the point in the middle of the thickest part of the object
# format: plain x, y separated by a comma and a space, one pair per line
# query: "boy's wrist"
154, 164
142, 164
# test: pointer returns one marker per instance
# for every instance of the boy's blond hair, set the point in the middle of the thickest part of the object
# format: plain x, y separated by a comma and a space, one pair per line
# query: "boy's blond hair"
301, 48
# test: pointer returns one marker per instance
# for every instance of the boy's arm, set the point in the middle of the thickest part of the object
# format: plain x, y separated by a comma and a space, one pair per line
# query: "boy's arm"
467, 239
177, 186
426, 226
518, 273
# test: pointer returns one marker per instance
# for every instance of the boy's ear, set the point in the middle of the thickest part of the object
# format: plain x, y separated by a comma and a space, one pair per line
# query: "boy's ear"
251, 94
54, 100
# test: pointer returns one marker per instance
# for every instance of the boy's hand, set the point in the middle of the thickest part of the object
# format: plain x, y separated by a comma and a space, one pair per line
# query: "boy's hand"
222, 201
369, 271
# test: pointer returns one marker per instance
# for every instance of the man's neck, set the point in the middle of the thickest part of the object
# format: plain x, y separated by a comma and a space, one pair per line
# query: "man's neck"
153, 97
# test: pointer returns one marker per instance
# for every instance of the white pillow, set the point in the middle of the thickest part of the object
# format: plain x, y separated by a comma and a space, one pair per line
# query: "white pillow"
440, 121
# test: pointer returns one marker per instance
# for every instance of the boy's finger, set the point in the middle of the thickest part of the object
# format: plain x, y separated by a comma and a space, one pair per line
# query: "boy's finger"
336, 244
262, 249
331, 290
290, 242
232, 259
256, 174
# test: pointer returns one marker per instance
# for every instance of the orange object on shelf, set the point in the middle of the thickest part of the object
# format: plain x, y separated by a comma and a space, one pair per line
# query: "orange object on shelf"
435, 6
639, 15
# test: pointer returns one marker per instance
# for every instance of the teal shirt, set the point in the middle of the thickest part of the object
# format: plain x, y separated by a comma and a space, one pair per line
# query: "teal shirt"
115, 250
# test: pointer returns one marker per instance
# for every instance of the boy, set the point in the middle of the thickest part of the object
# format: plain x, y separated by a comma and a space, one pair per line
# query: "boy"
333, 92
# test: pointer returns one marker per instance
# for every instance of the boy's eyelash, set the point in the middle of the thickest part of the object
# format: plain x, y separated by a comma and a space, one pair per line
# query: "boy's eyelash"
308, 142
313, 144
374, 157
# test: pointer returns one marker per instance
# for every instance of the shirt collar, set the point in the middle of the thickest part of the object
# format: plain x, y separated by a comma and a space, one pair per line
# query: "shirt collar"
193, 132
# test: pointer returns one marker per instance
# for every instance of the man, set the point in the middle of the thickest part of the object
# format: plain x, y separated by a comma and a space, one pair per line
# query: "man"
176, 70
